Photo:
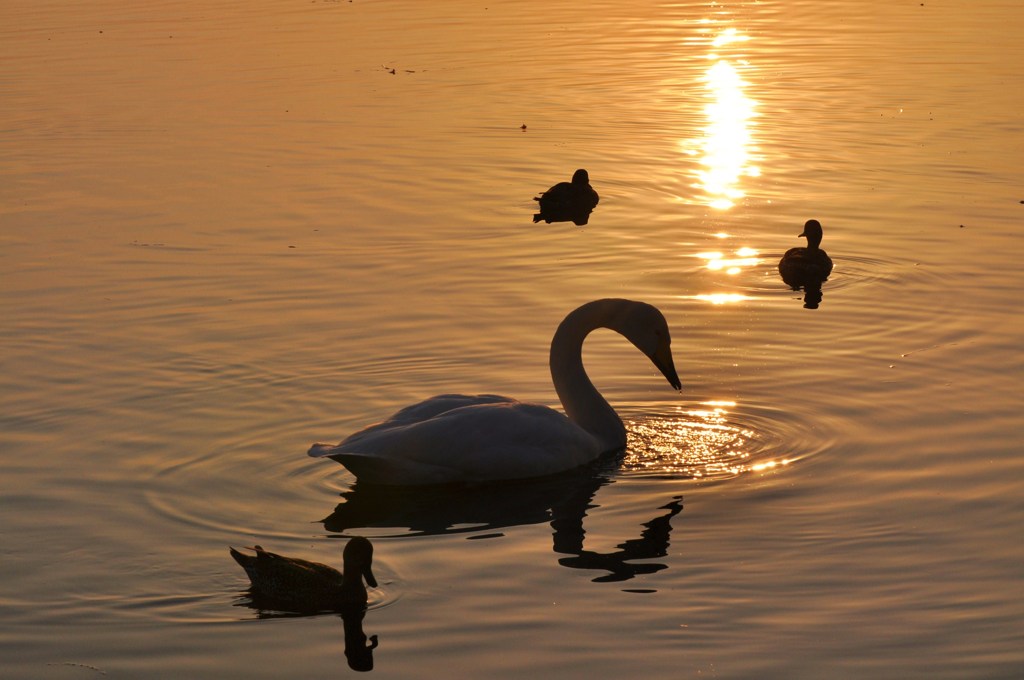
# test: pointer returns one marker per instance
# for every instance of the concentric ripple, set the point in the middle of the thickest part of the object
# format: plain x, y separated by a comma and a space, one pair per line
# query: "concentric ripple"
718, 440
849, 270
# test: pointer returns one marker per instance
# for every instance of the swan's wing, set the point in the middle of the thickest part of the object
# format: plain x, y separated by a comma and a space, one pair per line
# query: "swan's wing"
481, 442
442, 403
410, 415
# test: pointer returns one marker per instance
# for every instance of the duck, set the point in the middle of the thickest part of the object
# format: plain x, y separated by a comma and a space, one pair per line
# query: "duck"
568, 201
806, 266
457, 438
300, 585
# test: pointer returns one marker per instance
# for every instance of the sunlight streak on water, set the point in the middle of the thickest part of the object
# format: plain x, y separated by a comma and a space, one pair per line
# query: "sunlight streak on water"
721, 298
725, 148
744, 257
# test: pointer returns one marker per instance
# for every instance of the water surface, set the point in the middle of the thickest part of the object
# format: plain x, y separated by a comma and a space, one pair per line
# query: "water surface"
230, 231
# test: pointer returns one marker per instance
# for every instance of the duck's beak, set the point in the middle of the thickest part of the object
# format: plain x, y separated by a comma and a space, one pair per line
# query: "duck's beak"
663, 360
802, 234
368, 575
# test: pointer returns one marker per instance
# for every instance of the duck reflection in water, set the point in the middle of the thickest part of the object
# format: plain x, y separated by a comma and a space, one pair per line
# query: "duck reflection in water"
358, 649
288, 586
568, 201
561, 500
808, 267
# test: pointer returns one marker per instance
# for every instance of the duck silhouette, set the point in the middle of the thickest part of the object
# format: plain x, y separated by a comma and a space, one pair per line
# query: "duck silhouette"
568, 201
801, 267
293, 584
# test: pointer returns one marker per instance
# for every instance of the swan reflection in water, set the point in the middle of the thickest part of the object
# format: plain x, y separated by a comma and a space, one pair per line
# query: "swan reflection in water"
652, 543
809, 267
568, 201
563, 501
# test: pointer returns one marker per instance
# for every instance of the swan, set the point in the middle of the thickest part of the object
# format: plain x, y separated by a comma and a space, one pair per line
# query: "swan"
806, 266
568, 201
301, 585
458, 438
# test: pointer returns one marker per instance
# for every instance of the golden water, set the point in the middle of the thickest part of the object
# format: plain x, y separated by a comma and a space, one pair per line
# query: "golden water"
230, 230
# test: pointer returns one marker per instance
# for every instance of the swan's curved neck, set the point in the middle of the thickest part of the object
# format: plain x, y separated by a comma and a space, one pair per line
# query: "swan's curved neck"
583, 404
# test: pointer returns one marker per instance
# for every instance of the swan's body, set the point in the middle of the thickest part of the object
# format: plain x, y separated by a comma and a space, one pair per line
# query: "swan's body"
300, 585
806, 266
567, 201
460, 438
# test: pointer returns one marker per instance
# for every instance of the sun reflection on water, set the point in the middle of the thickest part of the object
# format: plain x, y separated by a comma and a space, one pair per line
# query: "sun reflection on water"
744, 257
700, 443
721, 298
730, 265
725, 147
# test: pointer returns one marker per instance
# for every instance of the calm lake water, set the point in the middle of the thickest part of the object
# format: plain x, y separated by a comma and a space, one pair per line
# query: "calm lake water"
229, 230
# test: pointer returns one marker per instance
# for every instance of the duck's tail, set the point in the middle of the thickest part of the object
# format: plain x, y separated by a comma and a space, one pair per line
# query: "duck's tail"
243, 560
247, 562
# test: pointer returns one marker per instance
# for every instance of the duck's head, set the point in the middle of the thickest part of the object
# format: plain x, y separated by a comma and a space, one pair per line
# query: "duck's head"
581, 177
644, 325
812, 231
358, 558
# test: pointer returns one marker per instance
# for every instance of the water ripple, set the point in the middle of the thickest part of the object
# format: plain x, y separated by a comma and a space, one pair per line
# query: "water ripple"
719, 440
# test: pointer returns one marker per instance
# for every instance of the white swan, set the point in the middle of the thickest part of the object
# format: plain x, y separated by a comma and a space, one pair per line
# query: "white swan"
459, 438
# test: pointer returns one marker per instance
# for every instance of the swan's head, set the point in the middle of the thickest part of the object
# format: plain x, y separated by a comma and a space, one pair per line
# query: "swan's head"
358, 557
812, 230
644, 325
581, 177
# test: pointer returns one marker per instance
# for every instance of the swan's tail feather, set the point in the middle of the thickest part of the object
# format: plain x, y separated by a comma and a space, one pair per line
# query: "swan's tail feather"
321, 450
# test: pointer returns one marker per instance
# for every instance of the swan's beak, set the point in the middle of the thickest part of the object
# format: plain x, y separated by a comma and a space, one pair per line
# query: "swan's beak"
663, 360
